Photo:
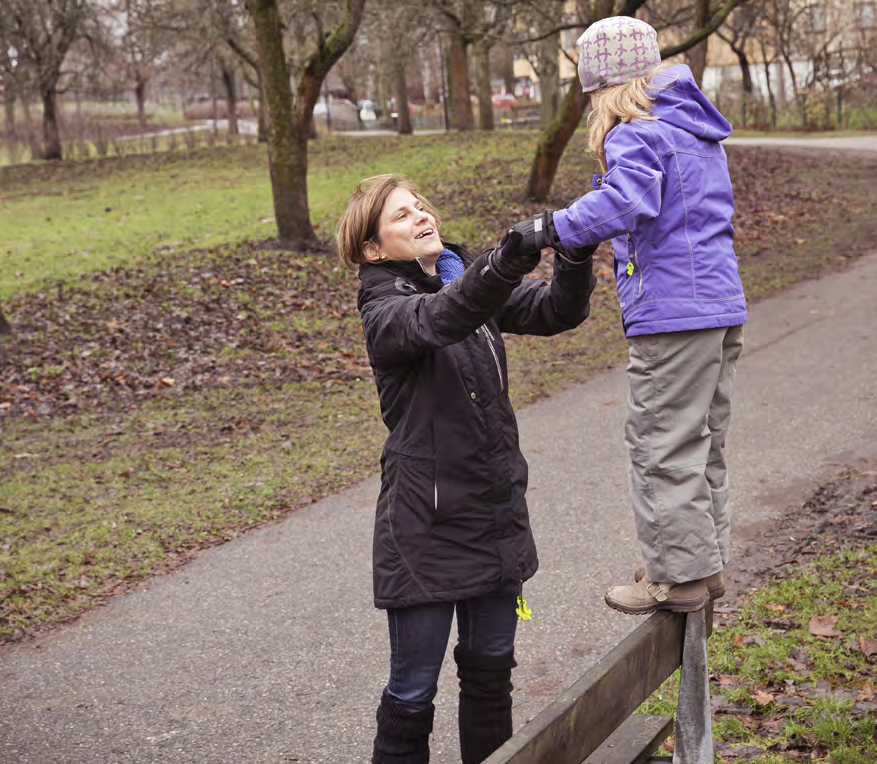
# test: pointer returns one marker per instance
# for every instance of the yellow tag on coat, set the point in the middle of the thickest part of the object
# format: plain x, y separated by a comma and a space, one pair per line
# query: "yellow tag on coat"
630, 268
524, 613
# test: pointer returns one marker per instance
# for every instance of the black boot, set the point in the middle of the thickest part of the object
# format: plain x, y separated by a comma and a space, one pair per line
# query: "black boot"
403, 737
485, 713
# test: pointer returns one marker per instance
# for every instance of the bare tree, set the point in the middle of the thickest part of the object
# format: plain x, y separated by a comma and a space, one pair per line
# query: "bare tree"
41, 33
472, 24
458, 16
737, 31
289, 118
696, 57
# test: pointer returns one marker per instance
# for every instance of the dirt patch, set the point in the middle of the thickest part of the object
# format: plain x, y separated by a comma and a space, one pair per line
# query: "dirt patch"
841, 513
251, 314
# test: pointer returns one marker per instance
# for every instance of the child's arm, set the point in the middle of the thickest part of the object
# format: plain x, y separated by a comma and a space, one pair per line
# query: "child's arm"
629, 192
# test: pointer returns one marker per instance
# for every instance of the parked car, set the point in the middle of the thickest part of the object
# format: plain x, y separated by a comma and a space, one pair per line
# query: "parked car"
503, 99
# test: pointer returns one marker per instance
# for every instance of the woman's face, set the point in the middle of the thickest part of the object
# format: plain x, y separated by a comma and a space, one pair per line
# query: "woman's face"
406, 231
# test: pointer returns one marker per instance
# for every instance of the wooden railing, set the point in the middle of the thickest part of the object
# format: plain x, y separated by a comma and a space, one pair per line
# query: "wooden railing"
593, 722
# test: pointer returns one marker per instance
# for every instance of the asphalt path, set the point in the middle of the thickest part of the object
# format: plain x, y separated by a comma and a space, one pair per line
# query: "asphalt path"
862, 142
267, 649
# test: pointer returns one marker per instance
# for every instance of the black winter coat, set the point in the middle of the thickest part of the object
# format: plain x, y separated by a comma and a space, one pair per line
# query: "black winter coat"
451, 520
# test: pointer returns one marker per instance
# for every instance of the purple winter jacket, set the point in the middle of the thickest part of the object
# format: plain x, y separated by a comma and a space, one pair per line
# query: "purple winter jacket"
666, 202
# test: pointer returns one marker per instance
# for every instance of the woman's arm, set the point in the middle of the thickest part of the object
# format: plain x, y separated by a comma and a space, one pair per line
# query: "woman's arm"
537, 307
629, 193
400, 326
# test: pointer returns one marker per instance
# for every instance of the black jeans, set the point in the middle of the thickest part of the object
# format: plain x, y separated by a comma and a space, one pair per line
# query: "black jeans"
419, 638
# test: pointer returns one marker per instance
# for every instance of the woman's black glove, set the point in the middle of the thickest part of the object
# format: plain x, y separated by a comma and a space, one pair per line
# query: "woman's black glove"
510, 259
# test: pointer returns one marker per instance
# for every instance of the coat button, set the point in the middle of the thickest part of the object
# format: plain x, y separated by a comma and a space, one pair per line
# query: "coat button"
473, 396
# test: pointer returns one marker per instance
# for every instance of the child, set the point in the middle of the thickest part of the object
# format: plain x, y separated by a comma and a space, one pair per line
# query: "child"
665, 200
452, 531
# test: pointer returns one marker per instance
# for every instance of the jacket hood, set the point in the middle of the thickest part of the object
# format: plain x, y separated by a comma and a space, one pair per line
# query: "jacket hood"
680, 102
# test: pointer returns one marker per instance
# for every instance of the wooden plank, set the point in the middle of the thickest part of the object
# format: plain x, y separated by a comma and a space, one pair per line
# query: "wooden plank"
573, 726
638, 737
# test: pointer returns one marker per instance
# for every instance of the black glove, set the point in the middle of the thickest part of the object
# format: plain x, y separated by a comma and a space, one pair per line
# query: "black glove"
510, 260
578, 255
538, 233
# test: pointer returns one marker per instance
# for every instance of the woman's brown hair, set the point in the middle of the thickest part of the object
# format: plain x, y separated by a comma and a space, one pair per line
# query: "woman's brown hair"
359, 223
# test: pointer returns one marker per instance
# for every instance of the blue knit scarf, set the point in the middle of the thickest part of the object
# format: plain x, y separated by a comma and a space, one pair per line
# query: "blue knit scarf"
449, 266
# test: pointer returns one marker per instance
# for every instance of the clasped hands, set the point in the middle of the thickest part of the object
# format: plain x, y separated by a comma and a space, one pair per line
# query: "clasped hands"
522, 246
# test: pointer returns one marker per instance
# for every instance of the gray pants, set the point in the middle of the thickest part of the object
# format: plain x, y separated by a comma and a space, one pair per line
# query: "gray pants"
679, 409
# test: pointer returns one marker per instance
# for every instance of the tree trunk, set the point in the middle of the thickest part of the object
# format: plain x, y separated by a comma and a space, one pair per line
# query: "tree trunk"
697, 55
383, 111
507, 68
482, 78
463, 118
140, 95
549, 77
553, 142
287, 157
403, 114
261, 117
9, 108
771, 99
744, 71
51, 135
231, 97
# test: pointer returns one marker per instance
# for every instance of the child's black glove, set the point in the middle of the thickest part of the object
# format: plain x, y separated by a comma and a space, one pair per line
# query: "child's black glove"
510, 259
537, 232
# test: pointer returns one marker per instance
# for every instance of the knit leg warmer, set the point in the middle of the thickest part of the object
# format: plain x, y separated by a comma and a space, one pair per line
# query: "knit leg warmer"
485, 712
402, 737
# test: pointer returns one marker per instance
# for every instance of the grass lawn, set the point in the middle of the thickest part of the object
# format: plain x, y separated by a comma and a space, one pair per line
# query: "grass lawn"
174, 380
793, 667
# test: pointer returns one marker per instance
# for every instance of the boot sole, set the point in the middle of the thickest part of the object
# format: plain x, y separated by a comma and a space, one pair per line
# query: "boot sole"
673, 607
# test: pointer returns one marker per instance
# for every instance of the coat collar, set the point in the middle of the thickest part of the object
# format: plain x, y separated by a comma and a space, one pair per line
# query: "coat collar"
396, 274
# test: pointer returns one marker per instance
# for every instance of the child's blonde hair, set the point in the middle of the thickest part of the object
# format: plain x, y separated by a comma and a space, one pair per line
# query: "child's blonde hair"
619, 103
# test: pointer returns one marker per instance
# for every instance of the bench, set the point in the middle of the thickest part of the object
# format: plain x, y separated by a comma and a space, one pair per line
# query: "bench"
593, 721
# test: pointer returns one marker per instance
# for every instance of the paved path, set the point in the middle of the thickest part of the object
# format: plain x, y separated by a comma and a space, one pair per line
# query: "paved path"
865, 142
267, 649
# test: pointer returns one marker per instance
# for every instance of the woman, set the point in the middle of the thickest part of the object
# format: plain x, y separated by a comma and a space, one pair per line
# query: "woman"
452, 532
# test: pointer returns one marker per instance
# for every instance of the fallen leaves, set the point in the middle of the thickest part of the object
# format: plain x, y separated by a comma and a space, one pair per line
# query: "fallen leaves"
823, 626
762, 696
801, 703
238, 316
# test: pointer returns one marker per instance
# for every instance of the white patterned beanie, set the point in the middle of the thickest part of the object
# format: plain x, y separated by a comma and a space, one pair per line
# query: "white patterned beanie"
616, 50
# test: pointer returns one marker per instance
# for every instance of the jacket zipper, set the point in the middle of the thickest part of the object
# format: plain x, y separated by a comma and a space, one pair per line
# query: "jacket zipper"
635, 260
489, 337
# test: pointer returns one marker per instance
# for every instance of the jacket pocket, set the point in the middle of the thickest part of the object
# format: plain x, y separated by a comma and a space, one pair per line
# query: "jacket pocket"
410, 509
413, 493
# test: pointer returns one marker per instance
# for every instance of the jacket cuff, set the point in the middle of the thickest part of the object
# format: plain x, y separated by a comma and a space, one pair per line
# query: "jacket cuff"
493, 267
565, 263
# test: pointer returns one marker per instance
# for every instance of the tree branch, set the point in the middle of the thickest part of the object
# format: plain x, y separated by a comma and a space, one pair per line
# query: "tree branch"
701, 34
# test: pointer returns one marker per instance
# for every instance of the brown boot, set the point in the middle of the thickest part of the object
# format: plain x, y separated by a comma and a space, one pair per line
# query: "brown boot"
715, 583
646, 597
